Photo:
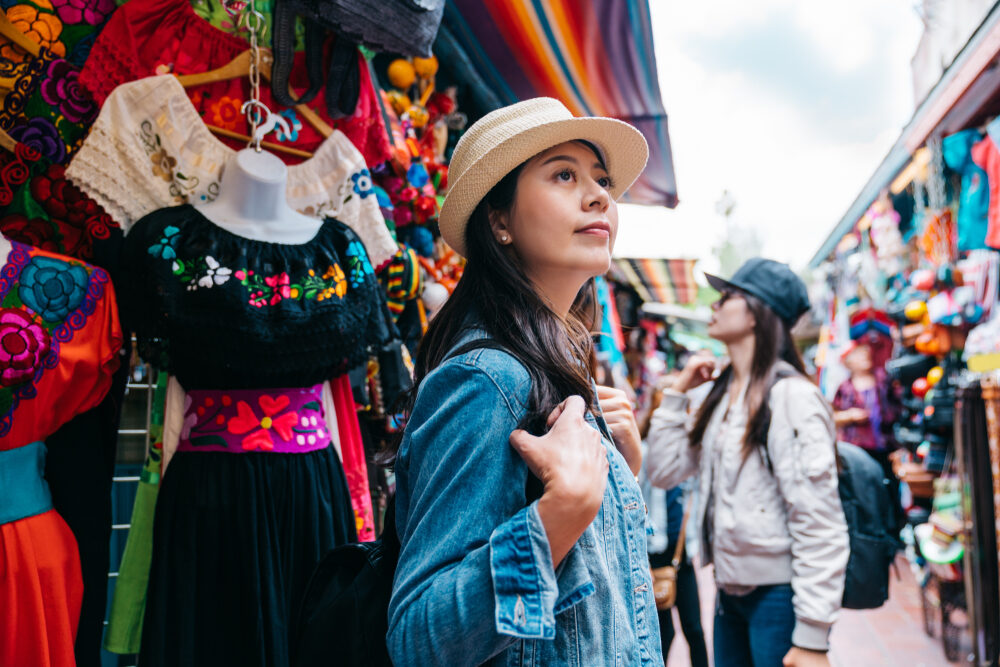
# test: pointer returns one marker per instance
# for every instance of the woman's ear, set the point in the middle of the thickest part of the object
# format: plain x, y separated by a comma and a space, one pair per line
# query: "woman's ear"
499, 227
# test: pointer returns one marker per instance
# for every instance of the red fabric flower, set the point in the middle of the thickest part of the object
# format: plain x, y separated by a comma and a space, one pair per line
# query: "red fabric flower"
35, 232
62, 200
246, 420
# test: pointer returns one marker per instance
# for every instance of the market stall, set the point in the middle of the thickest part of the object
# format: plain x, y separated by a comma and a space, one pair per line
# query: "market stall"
913, 271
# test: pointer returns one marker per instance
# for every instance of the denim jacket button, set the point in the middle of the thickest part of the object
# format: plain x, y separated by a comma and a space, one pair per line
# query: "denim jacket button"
519, 615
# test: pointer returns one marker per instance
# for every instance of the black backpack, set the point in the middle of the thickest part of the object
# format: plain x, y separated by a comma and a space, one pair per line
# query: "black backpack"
872, 526
874, 516
343, 619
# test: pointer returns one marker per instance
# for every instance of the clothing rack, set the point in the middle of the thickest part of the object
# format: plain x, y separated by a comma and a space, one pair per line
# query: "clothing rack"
977, 455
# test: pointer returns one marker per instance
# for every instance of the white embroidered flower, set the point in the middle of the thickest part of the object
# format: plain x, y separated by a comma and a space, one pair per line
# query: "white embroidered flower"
216, 274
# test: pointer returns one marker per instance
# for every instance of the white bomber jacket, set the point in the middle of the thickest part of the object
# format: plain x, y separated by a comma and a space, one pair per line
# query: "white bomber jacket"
769, 528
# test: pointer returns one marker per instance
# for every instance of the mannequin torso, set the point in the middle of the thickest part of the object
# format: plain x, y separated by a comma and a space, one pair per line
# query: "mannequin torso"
252, 204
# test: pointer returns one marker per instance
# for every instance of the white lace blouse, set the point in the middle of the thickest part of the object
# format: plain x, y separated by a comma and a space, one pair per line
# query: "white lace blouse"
149, 149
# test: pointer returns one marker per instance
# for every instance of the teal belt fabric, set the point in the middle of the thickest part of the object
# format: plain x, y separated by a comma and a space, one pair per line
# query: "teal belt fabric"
23, 489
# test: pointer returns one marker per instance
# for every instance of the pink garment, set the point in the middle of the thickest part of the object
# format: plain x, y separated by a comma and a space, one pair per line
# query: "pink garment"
987, 156
352, 451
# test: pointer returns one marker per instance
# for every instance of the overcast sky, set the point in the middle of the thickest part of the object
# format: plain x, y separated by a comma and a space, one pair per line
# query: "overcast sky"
788, 104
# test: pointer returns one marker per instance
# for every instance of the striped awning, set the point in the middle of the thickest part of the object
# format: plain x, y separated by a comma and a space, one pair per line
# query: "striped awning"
596, 56
659, 280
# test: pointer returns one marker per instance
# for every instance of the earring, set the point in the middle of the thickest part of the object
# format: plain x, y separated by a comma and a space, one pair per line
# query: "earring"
503, 238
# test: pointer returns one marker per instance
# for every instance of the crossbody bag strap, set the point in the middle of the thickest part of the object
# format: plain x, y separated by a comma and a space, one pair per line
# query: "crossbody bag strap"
679, 551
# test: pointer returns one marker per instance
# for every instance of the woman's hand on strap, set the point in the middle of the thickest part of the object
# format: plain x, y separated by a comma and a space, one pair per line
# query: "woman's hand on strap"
617, 409
572, 464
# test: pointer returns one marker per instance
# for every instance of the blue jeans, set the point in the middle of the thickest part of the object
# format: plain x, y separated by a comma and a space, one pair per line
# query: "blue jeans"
754, 630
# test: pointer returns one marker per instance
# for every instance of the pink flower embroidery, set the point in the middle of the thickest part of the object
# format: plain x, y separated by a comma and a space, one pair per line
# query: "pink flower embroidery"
23, 344
246, 421
280, 285
92, 12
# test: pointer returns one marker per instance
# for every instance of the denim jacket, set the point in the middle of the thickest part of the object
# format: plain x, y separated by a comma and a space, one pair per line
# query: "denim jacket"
475, 582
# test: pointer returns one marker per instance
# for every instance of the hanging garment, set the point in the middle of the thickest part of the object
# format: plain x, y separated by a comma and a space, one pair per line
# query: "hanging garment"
353, 455
46, 108
149, 149
975, 195
255, 494
147, 37
42, 209
66, 28
59, 343
987, 156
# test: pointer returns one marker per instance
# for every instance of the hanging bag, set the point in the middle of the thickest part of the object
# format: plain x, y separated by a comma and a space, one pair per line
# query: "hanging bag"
665, 578
404, 27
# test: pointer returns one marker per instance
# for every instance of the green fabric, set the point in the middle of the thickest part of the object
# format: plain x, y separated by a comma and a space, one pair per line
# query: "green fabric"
128, 606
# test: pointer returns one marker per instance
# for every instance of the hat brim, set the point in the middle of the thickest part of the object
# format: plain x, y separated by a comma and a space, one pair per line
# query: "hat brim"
933, 551
719, 284
623, 148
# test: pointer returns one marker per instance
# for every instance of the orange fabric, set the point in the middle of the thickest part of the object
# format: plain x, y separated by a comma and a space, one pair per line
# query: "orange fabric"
85, 363
41, 590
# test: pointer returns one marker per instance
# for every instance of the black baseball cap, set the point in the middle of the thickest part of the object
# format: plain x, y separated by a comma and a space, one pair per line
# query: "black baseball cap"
773, 283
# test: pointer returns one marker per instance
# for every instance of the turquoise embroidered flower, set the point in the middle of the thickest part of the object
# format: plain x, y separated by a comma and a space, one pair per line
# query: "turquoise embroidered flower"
363, 183
294, 124
164, 248
53, 288
358, 264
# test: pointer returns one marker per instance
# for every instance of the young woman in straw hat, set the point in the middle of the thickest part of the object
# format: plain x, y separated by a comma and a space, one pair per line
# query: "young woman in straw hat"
521, 524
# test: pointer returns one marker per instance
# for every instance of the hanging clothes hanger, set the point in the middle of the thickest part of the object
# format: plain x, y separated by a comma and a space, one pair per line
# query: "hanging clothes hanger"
239, 67
11, 32
7, 142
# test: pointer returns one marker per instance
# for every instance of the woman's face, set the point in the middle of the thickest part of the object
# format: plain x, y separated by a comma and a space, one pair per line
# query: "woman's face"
563, 222
731, 318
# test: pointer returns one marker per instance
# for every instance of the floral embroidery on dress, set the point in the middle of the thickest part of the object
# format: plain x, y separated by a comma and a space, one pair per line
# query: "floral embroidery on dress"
358, 264
308, 431
165, 248
91, 12
23, 344
271, 290
363, 183
62, 90
40, 27
201, 272
246, 421
52, 301
53, 288
294, 124
165, 167
39, 133
225, 113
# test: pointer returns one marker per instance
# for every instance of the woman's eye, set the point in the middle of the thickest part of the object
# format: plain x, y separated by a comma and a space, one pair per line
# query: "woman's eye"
565, 175
604, 182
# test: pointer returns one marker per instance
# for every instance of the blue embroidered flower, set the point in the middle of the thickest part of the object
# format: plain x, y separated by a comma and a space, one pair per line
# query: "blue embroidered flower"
164, 248
53, 288
294, 124
358, 263
363, 183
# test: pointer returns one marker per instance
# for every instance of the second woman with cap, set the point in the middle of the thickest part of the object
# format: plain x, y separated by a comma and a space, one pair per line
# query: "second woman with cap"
521, 524
764, 442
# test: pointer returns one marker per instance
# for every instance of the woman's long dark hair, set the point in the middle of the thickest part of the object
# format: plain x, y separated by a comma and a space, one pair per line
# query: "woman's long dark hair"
558, 354
772, 343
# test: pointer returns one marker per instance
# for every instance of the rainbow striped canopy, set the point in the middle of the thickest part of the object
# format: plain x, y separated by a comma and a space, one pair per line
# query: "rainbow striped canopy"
659, 280
596, 56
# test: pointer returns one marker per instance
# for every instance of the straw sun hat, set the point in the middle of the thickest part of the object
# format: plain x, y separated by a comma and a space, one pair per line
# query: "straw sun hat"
503, 139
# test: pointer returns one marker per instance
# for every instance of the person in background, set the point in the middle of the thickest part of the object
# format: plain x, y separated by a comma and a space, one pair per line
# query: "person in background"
667, 524
763, 441
865, 406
